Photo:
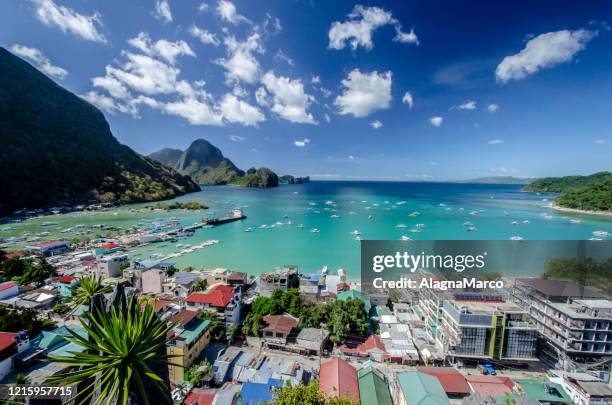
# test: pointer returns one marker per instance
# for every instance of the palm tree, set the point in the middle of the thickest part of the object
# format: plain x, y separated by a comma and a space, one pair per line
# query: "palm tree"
90, 285
122, 351
200, 285
21, 378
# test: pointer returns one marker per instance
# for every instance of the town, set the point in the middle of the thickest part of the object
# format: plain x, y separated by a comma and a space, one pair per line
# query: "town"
239, 338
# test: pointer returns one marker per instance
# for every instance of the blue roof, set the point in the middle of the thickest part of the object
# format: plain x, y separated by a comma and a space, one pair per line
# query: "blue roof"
257, 393
313, 277
166, 264
147, 264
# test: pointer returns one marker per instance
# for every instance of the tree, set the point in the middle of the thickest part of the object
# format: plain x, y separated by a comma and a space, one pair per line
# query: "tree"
170, 271
21, 378
306, 395
37, 272
89, 286
217, 326
123, 347
25, 319
197, 373
200, 285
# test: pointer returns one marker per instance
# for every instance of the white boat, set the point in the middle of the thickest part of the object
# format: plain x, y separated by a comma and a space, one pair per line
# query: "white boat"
314, 230
48, 224
404, 237
301, 226
335, 216
601, 233
467, 223
357, 238
356, 232
516, 238
249, 230
414, 214
514, 222
264, 226
471, 229
526, 222
575, 221
400, 226
370, 217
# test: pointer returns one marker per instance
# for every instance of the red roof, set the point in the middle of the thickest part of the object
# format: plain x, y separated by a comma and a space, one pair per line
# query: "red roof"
198, 396
7, 339
219, 296
339, 379
280, 323
66, 279
490, 385
6, 286
183, 317
109, 246
373, 342
451, 380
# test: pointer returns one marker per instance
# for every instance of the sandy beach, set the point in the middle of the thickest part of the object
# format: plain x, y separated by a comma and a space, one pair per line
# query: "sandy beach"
577, 211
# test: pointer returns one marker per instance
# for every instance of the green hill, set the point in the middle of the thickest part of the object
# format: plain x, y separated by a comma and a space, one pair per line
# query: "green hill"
205, 163
56, 147
589, 193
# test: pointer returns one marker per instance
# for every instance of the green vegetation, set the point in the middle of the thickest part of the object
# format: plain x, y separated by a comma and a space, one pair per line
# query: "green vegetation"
594, 197
120, 361
178, 205
25, 319
339, 317
289, 179
25, 271
89, 285
262, 177
306, 395
56, 148
587, 272
199, 285
217, 326
589, 193
198, 373
205, 164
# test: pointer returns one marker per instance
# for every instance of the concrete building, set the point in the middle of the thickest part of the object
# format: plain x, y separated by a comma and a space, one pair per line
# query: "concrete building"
278, 329
472, 331
49, 248
187, 340
110, 265
222, 299
280, 279
11, 344
575, 321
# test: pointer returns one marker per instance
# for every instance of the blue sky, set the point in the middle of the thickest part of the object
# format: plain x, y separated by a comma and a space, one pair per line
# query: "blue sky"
406, 90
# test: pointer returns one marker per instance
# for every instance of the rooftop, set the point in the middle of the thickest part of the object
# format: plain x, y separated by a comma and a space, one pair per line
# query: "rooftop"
538, 392
280, 323
561, 288
339, 379
218, 296
421, 389
489, 385
451, 380
373, 387
7, 339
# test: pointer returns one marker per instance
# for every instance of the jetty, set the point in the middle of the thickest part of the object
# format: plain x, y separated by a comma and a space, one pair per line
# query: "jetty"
237, 215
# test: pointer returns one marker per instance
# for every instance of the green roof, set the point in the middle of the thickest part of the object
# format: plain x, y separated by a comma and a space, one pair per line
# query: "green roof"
356, 295
193, 329
373, 387
536, 392
421, 389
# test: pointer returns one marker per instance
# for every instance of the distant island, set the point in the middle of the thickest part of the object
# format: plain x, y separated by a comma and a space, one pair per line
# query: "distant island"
589, 194
57, 149
496, 180
206, 165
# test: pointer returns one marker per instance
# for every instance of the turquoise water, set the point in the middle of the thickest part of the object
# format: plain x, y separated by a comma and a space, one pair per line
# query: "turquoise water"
373, 208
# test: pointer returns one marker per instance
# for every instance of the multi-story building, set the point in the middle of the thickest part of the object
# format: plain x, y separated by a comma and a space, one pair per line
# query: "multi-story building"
110, 265
223, 299
280, 279
574, 321
472, 330
186, 342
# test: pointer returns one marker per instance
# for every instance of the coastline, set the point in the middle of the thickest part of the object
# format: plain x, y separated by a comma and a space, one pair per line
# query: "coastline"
578, 211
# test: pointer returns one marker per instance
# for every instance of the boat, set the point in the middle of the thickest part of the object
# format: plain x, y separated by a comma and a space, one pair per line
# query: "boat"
575, 221
526, 222
404, 237
358, 238
301, 226
48, 224
516, 238
335, 216
601, 233
356, 232
471, 229
249, 230
314, 230
414, 214
514, 222
400, 226
370, 217
264, 226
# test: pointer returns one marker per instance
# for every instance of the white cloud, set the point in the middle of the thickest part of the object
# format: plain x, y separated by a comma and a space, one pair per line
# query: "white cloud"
364, 93
162, 11
327, 118
302, 143
496, 141
542, 52
492, 107
376, 124
108, 104
351, 157
165, 49
282, 56
357, 29
261, 96
272, 25
38, 59
240, 63
407, 99
146, 74
227, 11
238, 111
203, 35
237, 138
289, 100
114, 87
315, 80
405, 37
69, 21
436, 121
196, 111
467, 105
203, 7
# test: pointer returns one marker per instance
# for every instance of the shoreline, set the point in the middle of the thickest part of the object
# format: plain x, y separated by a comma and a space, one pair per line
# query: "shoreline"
579, 211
